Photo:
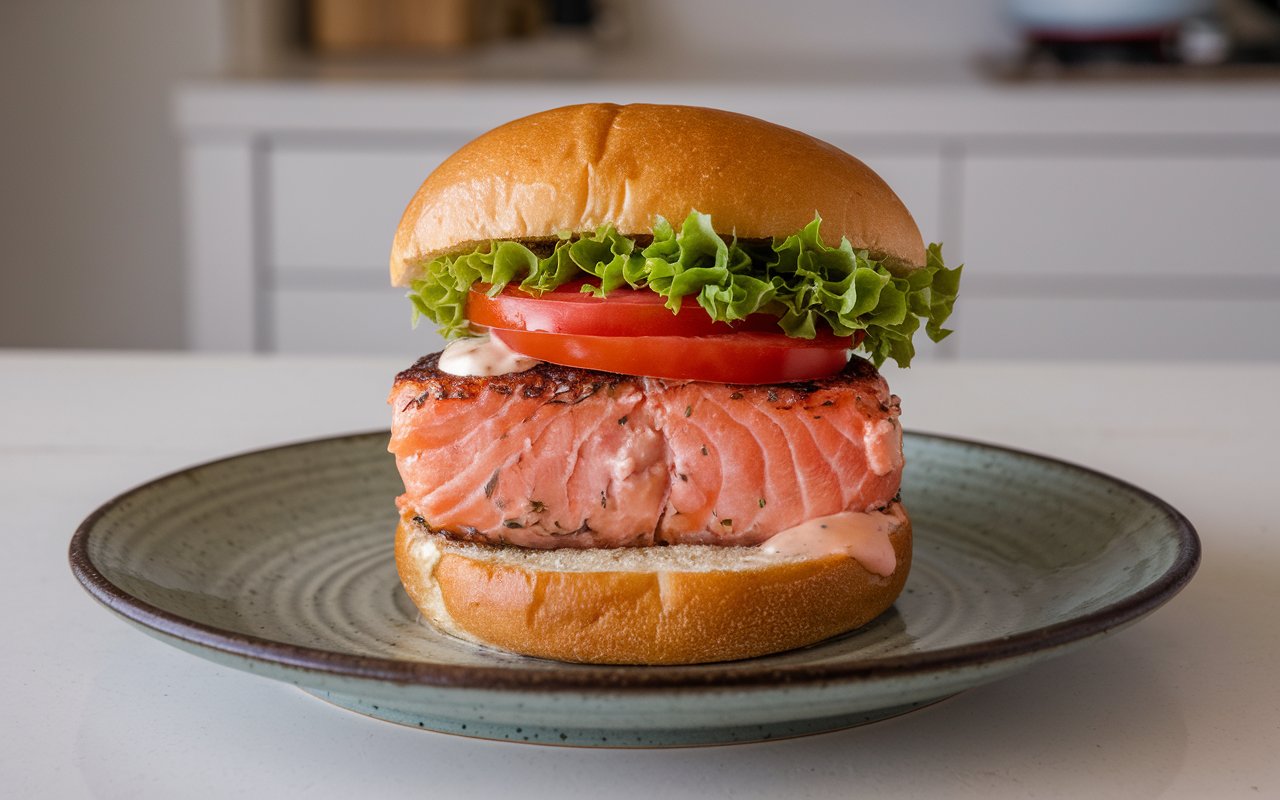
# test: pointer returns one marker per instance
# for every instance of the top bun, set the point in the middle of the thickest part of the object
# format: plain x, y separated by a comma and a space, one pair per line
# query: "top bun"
578, 167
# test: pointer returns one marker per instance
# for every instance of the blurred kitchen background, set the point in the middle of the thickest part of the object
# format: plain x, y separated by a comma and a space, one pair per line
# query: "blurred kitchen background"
227, 174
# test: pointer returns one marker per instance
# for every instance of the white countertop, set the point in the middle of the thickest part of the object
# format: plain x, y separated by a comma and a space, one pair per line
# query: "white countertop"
925, 101
1184, 704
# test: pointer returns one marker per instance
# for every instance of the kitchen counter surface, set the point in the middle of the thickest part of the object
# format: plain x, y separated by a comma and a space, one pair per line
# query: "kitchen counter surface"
1184, 704
921, 99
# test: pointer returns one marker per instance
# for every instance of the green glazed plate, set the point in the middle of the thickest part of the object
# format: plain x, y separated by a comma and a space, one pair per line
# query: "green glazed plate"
280, 562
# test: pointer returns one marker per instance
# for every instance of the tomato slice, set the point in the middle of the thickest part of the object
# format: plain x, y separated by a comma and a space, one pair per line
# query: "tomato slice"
745, 357
633, 332
625, 312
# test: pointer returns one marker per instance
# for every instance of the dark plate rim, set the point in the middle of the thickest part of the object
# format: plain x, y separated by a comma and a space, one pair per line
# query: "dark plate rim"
637, 678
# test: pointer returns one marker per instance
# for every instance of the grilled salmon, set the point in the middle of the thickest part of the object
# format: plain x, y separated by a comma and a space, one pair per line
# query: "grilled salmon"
560, 457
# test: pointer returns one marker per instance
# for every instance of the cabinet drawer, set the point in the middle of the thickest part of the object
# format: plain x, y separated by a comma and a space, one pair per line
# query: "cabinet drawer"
1159, 216
1102, 328
335, 208
350, 321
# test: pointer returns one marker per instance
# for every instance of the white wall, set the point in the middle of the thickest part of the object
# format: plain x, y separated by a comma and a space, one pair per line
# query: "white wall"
90, 201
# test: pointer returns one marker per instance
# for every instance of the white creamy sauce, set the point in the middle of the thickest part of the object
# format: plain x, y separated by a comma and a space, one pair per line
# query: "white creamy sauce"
483, 356
862, 536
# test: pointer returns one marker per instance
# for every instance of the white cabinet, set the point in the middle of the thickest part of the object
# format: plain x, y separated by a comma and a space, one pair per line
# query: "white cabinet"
331, 209
222, 228
336, 207
1133, 255
1066, 215
1104, 328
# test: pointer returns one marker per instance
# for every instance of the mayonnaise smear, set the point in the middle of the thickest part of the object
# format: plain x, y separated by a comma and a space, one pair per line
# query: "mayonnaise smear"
483, 356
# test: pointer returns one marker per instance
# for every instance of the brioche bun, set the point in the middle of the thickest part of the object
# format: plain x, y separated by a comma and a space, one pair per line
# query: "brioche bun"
682, 604
575, 168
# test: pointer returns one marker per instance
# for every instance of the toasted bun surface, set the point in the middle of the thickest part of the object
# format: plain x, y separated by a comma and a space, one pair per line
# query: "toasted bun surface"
576, 168
682, 604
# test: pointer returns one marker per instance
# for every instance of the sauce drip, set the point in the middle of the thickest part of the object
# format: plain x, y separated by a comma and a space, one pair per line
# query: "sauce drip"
862, 536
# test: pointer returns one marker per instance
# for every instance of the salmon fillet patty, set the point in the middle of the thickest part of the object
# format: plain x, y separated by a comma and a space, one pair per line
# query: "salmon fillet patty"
561, 457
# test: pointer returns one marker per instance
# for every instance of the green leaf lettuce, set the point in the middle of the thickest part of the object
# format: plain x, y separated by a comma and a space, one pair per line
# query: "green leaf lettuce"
806, 284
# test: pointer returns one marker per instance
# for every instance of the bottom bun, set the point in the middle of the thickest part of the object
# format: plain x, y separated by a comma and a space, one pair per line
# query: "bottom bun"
683, 604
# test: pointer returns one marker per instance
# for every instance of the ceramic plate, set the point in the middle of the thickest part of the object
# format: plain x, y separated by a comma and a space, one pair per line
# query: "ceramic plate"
280, 562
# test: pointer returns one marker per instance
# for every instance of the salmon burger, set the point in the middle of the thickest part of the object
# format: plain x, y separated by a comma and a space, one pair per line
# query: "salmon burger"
649, 439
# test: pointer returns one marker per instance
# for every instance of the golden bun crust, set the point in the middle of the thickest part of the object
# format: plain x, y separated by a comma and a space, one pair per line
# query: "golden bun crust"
578, 167
661, 605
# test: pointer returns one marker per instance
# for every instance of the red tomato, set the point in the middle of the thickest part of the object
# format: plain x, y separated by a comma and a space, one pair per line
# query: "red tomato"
742, 357
633, 332
625, 312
